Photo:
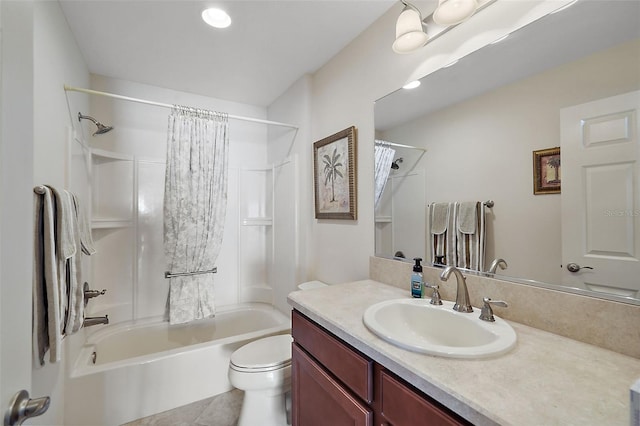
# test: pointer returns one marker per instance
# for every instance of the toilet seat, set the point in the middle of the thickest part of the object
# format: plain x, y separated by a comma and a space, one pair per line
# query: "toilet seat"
267, 354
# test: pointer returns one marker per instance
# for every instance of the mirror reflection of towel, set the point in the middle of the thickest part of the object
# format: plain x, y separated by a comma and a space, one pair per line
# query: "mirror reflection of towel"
470, 235
439, 218
468, 217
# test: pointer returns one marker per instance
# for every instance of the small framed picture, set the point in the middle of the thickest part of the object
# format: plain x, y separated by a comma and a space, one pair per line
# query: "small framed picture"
546, 171
334, 175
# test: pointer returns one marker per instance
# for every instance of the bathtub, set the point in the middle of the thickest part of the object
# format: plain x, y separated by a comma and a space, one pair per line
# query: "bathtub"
134, 369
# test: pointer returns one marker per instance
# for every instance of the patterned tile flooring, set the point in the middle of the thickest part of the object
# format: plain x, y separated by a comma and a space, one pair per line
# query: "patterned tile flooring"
220, 410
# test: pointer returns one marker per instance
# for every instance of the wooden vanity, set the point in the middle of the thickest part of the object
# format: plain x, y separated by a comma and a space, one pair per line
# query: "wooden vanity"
334, 384
345, 375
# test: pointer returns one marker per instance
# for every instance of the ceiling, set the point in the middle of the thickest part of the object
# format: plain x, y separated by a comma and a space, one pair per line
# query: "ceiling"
165, 43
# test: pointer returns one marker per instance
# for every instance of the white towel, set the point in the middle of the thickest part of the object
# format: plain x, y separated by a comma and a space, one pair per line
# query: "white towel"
84, 230
467, 217
442, 232
75, 292
47, 318
66, 250
470, 235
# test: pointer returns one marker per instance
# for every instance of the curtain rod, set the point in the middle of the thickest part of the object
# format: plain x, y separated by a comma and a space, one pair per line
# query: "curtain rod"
163, 105
399, 145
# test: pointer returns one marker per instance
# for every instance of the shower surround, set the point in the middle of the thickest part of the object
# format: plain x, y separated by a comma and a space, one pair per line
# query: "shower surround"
124, 174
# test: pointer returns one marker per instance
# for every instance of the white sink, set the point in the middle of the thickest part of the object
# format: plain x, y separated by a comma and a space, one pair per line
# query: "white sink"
418, 326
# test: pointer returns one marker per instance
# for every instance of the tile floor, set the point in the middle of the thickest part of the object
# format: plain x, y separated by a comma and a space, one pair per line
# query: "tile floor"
220, 410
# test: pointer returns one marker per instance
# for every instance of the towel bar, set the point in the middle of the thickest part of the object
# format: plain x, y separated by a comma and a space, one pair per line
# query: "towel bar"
183, 274
39, 189
489, 203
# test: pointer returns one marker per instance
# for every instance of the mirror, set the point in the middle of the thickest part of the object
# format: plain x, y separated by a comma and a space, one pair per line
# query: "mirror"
480, 121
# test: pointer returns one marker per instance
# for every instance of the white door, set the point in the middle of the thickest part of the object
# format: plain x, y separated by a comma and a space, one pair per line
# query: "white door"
601, 195
16, 183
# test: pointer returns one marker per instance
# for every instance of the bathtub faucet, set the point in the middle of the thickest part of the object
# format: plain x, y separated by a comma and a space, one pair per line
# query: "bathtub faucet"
89, 294
89, 321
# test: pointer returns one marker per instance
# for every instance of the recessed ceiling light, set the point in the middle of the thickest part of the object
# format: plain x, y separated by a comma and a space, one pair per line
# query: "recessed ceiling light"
412, 85
217, 18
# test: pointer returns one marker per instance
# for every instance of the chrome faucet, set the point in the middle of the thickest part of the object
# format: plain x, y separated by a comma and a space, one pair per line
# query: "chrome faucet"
486, 313
89, 321
462, 296
494, 265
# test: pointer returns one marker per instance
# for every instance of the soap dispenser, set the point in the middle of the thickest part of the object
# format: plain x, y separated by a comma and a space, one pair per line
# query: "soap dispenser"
416, 279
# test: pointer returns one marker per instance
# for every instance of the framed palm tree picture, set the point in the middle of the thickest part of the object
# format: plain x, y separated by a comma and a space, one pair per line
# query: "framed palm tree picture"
334, 172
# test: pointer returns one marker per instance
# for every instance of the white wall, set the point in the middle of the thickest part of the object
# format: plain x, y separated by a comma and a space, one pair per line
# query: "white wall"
57, 61
292, 246
488, 153
343, 94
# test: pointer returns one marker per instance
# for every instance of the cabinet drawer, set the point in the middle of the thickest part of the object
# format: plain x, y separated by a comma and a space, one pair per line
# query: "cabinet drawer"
401, 406
319, 400
353, 369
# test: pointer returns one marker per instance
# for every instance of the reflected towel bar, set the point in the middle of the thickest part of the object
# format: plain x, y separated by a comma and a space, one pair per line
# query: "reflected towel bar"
184, 274
488, 203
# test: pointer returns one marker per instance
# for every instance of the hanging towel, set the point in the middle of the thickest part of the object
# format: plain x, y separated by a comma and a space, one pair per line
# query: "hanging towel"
47, 318
470, 235
442, 233
84, 230
75, 316
65, 250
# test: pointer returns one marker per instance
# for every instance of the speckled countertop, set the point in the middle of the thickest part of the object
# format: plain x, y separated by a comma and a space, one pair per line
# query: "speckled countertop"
545, 380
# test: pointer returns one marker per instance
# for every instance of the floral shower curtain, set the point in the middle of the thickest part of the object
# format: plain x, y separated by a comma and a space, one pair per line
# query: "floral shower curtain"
383, 159
195, 204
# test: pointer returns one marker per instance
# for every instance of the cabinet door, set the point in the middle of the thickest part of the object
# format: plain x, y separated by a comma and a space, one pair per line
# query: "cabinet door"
402, 406
319, 400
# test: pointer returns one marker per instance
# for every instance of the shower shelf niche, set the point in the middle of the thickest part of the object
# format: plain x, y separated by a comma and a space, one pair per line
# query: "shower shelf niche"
112, 177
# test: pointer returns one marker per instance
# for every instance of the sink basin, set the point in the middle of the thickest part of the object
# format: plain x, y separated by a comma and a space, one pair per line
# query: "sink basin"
418, 326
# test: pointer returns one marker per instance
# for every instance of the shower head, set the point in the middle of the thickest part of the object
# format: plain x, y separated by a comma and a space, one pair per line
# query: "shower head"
395, 164
101, 127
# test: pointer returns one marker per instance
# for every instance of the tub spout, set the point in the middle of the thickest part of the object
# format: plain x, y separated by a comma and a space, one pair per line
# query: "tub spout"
89, 321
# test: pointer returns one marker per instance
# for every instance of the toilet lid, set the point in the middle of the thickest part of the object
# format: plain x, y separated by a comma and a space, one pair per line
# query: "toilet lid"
267, 353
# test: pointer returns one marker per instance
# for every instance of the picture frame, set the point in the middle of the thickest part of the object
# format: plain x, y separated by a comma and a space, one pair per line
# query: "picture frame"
334, 175
547, 178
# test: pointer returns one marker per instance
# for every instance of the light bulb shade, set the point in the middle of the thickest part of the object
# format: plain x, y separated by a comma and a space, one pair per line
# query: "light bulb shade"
452, 12
409, 33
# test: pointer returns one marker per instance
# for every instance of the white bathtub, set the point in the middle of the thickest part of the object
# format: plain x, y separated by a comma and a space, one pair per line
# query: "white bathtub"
146, 367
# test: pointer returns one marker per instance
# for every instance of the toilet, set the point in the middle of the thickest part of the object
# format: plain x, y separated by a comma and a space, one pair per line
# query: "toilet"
262, 369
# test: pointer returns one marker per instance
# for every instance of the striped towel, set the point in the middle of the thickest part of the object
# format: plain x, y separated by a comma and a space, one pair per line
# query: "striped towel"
470, 235
442, 232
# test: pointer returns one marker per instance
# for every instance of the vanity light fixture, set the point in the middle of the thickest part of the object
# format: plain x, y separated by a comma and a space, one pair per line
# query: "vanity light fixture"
215, 17
410, 35
411, 85
452, 12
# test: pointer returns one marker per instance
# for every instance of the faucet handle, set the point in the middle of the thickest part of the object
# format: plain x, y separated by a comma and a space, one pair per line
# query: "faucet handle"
435, 296
486, 313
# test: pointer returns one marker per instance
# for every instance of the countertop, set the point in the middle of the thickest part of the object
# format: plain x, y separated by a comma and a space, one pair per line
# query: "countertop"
545, 380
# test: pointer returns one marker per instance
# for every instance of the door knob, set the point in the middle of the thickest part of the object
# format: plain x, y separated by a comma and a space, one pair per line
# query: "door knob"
574, 267
22, 408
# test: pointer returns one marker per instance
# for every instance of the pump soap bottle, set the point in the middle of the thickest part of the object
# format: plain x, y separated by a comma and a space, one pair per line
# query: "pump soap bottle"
416, 279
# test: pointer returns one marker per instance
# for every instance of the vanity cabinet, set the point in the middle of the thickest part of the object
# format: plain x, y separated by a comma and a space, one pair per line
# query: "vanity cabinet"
334, 384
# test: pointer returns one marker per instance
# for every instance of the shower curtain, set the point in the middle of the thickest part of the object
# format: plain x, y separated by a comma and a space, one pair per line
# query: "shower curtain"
383, 159
195, 203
